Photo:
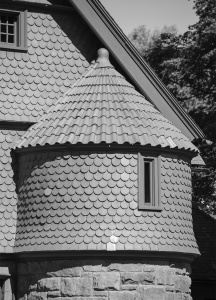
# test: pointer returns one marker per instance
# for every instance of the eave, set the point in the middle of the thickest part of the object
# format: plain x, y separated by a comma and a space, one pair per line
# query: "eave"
135, 67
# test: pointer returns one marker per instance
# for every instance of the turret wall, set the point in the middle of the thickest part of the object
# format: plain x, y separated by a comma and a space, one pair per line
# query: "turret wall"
89, 201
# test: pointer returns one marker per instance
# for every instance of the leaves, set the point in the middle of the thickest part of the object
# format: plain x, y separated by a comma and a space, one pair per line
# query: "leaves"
187, 65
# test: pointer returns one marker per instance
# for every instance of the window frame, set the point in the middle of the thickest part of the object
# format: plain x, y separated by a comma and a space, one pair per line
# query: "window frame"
154, 162
21, 31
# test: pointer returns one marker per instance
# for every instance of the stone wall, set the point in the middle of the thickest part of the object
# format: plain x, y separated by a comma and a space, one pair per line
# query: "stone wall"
87, 280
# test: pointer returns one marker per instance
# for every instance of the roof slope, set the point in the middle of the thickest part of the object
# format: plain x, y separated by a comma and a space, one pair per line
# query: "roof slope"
135, 66
103, 107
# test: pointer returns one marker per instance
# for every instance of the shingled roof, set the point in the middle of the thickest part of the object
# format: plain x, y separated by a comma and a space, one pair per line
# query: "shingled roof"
103, 107
138, 70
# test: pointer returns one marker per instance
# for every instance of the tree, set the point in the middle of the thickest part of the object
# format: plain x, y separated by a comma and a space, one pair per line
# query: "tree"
199, 72
187, 65
141, 38
199, 53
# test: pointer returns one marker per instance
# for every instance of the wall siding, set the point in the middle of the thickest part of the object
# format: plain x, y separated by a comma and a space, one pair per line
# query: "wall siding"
84, 201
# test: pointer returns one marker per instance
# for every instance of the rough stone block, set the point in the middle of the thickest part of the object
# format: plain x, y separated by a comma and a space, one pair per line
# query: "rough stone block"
94, 268
178, 296
124, 295
147, 268
107, 281
37, 296
49, 284
182, 284
136, 277
170, 296
164, 276
87, 275
100, 293
129, 287
34, 281
126, 267
77, 286
82, 298
32, 287
68, 272
148, 292
54, 294
186, 297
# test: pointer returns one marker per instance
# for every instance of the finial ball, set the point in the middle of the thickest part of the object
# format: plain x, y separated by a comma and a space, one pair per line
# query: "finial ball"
103, 58
103, 53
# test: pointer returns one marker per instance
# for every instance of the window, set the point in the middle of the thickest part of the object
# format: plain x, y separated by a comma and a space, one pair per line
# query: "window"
149, 182
13, 31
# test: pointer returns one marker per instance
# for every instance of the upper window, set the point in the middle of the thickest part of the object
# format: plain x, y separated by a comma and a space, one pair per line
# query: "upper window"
13, 33
149, 182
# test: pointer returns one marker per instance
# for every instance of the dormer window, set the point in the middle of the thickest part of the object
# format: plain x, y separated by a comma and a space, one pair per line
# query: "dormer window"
13, 32
149, 182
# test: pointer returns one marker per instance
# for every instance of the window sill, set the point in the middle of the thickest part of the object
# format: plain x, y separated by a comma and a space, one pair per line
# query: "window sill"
13, 48
151, 208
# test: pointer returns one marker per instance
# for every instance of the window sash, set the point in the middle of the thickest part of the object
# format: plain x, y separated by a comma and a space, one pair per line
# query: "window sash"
149, 182
13, 30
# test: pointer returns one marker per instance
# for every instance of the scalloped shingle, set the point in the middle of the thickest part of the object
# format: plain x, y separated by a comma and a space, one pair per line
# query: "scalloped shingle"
8, 196
82, 201
31, 82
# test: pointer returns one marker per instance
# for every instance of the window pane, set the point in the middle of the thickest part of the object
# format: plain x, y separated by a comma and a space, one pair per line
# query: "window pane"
3, 38
11, 20
147, 183
11, 39
3, 28
10, 29
3, 19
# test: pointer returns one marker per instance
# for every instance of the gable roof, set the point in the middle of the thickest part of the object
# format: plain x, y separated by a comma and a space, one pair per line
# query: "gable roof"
134, 65
103, 107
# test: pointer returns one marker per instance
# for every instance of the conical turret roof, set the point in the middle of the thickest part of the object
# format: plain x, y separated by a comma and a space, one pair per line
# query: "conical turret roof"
103, 107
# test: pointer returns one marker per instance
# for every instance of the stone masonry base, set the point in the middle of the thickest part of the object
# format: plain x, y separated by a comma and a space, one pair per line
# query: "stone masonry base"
101, 280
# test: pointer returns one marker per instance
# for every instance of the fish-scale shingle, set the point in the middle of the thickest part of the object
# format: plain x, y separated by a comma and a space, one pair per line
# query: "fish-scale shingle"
31, 82
82, 201
8, 196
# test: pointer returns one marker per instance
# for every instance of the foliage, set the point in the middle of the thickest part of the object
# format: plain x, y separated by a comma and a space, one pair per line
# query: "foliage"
141, 37
187, 65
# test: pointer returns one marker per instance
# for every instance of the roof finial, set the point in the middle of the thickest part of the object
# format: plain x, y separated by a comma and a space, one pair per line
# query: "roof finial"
103, 58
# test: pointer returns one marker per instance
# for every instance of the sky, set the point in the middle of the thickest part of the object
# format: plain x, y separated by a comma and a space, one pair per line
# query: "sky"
153, 13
